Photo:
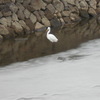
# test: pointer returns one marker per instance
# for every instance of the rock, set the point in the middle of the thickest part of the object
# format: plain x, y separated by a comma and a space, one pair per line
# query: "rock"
74, 10
26, 2
58, 5
6, 1
9, 20
1, 37
20, 6
65, 13
6, 13
62, 21
13, 8
98, 5
13, 1
98, 11
17, 27
30, 8
12, 32
48, 14
55, 22
27, 13
38, 4
51, 8
29, 24
65, 3
1, 14
48, 1
5, 8
41, 13
22, 23
14, 17
33, 18
97, 1
67, 20
20, 1
98, 20
20, 15
77, 3
84, 14
3, 21
74, 17
3, 30
25, 27
83, 5
92, 12
59, 15
93, 3
36, 13
55, 15
72, 2
45, 21
38, 26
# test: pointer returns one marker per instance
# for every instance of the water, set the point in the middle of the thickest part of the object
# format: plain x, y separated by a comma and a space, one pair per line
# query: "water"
69, 75
37, 45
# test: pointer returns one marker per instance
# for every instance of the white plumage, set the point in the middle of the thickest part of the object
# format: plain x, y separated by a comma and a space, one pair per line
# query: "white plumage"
51, 37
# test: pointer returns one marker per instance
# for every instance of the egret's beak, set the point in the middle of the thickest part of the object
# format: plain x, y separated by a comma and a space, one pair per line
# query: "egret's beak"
47, 30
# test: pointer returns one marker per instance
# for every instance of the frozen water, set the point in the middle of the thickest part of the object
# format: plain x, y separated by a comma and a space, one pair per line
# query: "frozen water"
70, 75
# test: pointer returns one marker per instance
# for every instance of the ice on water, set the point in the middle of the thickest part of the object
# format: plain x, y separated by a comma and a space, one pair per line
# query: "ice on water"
70, 75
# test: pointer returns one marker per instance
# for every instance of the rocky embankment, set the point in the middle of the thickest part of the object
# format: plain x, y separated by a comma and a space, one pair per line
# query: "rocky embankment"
19, 17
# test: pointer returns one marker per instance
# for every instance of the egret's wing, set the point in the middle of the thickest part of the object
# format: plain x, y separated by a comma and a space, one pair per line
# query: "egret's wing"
52, 38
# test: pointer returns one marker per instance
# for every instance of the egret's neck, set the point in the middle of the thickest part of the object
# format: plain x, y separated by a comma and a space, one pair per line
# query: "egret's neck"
48, 32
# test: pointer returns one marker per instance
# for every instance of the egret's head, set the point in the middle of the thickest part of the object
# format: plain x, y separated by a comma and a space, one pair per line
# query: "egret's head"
48, 29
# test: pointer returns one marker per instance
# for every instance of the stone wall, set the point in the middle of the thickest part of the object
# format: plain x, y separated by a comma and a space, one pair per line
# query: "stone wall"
19, 17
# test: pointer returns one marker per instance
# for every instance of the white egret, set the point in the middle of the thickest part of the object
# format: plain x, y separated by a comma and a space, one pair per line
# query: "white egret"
51, 37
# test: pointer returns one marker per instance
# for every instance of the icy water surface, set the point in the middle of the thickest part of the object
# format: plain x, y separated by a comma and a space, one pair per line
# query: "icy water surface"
69, 75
